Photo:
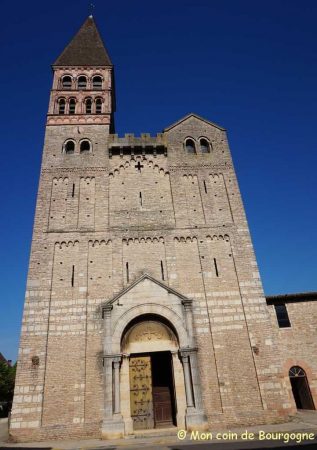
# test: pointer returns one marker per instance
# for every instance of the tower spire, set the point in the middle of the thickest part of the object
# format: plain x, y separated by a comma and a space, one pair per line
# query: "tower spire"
86, 48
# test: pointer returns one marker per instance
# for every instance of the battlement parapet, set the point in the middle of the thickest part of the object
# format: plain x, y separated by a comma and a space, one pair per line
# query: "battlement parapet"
137, 145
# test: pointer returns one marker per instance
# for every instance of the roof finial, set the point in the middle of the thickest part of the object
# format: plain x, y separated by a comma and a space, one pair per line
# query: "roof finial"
92, 7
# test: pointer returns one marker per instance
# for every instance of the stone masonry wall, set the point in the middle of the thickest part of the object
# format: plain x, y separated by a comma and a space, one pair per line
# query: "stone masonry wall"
298, 343
100, 223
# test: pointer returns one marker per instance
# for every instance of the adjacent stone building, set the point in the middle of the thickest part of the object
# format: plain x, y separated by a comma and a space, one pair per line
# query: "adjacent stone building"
144, 305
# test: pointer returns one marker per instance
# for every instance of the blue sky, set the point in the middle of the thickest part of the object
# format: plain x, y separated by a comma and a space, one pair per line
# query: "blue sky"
249, 66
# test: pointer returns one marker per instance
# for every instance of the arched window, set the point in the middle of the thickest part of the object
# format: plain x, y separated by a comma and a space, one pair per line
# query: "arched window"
67, 82
69, 147
190, 146
204, 145
97, 82
61, 106
98, 105
300, 388
85, 146
82, 82
88, 106
72, 106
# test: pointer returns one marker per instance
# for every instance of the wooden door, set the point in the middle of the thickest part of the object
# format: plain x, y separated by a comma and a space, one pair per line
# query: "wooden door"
141, 392
163, 416
304, 394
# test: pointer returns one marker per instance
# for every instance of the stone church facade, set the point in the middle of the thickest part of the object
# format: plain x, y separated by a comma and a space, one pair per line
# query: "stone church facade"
144, 306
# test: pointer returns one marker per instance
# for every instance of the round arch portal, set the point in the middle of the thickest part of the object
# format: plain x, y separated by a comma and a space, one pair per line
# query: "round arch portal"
150, 342
152, 378
163, 313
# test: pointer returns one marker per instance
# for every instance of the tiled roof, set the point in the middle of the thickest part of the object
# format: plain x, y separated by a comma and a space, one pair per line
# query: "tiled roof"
85, 49
296, 297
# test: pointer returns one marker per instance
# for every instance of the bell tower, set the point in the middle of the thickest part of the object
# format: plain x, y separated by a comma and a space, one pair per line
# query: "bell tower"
82, 91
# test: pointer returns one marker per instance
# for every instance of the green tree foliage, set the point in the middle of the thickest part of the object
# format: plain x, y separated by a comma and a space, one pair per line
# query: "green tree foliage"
7, 379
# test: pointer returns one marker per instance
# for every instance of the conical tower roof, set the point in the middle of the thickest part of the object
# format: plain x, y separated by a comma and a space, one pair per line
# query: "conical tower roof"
85, 49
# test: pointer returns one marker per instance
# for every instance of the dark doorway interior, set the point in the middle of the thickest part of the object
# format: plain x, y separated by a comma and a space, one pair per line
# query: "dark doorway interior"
300, 388
163, 390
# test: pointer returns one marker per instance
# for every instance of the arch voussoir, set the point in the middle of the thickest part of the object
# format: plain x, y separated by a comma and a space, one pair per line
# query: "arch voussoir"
164, 312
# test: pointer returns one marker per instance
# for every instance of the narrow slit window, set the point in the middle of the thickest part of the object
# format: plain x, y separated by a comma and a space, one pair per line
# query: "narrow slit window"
88, 105
98, 106
72, 106
162, 270
127, 271
140, 197
73, 191
61, 106
205, 186
73, 275
216, 267
282, 316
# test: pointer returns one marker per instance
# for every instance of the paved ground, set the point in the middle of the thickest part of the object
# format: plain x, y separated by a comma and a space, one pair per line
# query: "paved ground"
304, 422
3, 430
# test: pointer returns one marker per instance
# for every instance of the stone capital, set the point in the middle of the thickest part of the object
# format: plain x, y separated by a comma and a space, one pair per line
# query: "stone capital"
113, 358
185, 352
117, 360
187, 303
106, 311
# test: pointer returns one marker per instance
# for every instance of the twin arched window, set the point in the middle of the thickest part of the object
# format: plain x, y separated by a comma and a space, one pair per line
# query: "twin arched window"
204, 145
93, 107
62, 106
70, 145
90, 106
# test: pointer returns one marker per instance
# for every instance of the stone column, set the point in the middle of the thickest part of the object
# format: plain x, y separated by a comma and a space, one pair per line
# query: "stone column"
107, 385
196, 379
106, 313
113, 425
107, 361
180, 392
187, 303
195, 416
116, 368
125, 394
188, 382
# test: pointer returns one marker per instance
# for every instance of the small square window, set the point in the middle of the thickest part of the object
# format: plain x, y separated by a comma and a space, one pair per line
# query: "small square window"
282, 316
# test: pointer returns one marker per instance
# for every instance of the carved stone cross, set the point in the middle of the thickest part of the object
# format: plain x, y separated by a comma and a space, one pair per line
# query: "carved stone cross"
139, 166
